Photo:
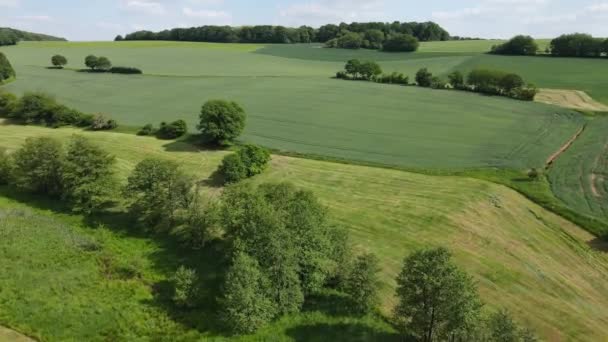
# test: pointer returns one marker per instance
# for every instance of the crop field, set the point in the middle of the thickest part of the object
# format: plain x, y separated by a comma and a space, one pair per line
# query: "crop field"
580, 176
535, 263
294, 106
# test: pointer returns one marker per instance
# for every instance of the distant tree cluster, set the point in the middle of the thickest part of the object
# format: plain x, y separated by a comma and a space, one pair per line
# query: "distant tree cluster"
372, 35
567, 45
42, 109
375, 39
9, 36
518, 45
6, 69
103, 64
492, 82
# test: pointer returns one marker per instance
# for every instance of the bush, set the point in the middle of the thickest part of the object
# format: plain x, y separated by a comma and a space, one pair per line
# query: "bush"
6, 69
394, 78
362, 284
102, 123
350, 40
125, 70
5, 167
577, 45
221, 122
486, 80
518, 45
438, 83
173, 130
148, 129
510, 82
34, 108
401, 43
38, 166
424, 78
248, 161
533, 174
59, 61
342, 75
369, 70
91, 61
526, 94
184, 283
456, 79
8, 103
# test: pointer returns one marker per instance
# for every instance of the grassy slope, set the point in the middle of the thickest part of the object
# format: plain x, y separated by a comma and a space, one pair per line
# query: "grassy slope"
302, 109
533, 262
578, 176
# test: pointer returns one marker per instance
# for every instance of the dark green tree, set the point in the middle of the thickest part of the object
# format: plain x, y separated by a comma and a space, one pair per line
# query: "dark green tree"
221, 122
6, 69
353, 67
456, 79
363, 284
437, 301
87, 176
172, 130
91, 62
401, 43
350, 40
6, 167
38, 165
103, 63
424, 78
8, 103
510, 82
373, 39
370, 70
59, 61
518, 45
185, 287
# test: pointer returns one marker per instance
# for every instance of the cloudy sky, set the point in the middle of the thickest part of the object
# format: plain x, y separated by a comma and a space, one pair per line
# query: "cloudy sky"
102, 20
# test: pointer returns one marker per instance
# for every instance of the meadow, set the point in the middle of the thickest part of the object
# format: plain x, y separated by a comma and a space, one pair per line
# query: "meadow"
295, 106
540, 266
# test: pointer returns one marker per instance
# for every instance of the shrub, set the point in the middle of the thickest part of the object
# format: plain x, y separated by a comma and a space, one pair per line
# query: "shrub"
401, 43
369, 70
173, 130
64, 116
362, 284
148, 129
6, 69
199, 223
394, 78
34, 108
184, 283
526, 94
438, 83
102, 123
248, 161
221, 122
8, 103
533, 174
342, 75
125, 70
350, 40
510, 82
59, 61
424, 78
456, 79
38, 165
5, 167
518, 45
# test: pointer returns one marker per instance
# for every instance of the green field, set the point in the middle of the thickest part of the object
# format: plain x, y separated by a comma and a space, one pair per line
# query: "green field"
533, 262
579, 176
294, 106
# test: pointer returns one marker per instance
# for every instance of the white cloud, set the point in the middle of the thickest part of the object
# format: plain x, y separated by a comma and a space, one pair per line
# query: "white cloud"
206, 14
144, 7
323, 12
10, 3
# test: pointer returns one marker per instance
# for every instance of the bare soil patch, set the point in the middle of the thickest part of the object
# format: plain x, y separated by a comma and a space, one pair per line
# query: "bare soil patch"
9, 335
574, 99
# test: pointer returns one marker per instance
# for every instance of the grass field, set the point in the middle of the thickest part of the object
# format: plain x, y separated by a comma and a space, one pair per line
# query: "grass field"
579, 175
523, 257
294, 106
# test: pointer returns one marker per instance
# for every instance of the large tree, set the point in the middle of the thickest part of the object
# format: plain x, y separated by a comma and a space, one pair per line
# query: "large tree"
437, 301
362, 283
87, 176
518, 45
221, 122
59, 61
38, 165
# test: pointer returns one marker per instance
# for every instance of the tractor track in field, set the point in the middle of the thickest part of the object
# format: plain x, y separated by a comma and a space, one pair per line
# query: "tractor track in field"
564, 148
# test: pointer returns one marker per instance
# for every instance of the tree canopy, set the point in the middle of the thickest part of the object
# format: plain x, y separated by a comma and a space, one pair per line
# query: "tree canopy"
518, 45
6, 69
221, 122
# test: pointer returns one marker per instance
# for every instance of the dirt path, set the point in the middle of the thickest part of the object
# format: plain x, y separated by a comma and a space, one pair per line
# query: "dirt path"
574, 99
8, 335
564, 148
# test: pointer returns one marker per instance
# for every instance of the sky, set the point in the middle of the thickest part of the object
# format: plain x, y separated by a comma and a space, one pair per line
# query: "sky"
104, 19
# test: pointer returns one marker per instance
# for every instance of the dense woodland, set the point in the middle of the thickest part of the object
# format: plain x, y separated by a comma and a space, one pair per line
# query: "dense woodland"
9, 36
427, 31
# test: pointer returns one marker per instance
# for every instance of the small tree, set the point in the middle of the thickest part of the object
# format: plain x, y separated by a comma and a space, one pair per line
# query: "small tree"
221, 122
362, 283
8, 104
233, 168
353, 67
87, 176
103, 63
173, 130
509, 82
185, 287
370, 70
38, 165
59, 61
456, 79
91, 62
119, 38
436, 300
424, 78
102, 123
246, 304
6, 165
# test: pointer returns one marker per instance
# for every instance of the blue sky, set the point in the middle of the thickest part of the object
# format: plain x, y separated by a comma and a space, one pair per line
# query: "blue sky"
102, 20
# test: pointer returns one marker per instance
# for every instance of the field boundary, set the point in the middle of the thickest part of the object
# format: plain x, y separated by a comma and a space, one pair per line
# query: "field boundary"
564, 148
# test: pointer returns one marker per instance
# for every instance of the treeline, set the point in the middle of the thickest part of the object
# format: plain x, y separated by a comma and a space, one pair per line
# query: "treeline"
9, 36
427, 31
96, 64
567, 45
486, 81
41, 109
280, 247
6, 69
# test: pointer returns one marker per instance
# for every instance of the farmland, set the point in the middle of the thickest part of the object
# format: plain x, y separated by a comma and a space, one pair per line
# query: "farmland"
505, 241
294, 106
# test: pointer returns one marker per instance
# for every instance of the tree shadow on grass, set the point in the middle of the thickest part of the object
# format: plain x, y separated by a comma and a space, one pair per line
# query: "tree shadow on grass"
351, 332
329, 302
599, 244
191, 143
210, 262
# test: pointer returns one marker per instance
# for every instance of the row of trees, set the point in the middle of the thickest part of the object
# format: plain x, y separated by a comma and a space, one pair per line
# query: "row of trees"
427, 31
567, 45
375, 39
6, 69
96, 64
42, 109
492, 82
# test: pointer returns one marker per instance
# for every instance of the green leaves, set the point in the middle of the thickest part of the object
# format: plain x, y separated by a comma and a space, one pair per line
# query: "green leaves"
221, 122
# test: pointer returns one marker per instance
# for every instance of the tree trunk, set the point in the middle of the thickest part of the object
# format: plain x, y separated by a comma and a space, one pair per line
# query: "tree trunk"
429, 337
